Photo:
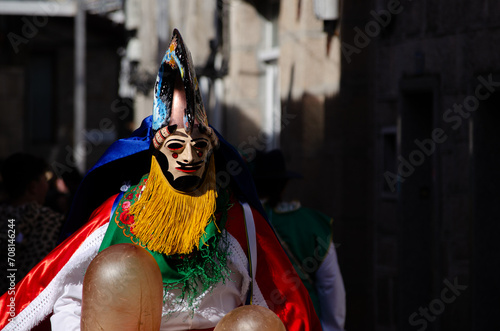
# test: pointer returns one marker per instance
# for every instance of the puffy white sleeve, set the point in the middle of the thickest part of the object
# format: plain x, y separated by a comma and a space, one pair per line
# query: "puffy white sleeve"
68, 308
331, 292
68, 305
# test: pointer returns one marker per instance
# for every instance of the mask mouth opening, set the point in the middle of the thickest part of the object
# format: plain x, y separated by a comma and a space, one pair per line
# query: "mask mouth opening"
188, 183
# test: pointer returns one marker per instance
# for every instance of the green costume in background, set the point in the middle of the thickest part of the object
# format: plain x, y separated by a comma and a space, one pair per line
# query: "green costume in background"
306, 242
306, 236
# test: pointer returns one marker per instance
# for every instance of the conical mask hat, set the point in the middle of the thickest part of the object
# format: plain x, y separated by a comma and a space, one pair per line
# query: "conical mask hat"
177, 60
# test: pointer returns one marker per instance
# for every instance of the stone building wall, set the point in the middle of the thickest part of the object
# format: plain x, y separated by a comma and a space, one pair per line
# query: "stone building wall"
429, 60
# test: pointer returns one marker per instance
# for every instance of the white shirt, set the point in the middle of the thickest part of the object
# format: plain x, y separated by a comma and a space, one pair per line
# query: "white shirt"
331, 293
209, 309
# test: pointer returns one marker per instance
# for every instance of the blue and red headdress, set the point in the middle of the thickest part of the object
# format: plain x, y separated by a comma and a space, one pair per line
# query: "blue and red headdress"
176, 62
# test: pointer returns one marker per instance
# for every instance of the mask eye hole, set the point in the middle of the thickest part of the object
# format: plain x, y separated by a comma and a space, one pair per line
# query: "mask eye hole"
174, 146
200, 144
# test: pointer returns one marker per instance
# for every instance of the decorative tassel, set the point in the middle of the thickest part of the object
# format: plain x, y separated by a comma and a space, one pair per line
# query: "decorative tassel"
169, 221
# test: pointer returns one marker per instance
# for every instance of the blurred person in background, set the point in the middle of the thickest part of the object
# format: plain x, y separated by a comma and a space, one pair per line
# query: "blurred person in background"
35, 226
62, 190
306, 236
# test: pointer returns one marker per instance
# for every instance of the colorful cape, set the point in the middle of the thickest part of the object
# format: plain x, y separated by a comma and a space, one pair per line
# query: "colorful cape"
279, 284
281, 287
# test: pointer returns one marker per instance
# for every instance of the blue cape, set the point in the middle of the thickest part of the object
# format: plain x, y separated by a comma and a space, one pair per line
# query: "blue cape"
127, 160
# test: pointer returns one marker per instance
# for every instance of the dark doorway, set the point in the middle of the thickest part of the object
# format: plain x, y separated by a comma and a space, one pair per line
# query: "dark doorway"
486, 222
415, 209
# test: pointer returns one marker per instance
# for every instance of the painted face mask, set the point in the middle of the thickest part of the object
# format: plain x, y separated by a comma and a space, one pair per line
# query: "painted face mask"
183, 139
186, 158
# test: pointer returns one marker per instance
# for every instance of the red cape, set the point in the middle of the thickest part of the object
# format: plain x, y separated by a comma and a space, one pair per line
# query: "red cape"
275, 276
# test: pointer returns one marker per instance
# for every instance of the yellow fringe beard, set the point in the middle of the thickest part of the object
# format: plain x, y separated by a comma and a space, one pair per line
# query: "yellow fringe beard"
169, 221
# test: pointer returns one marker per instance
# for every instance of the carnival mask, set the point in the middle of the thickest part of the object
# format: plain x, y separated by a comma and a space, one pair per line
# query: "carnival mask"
187, 157
183, 139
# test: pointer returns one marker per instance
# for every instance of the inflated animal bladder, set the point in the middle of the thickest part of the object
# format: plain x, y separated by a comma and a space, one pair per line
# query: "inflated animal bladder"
250, 318
122, 290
